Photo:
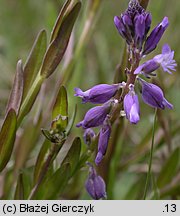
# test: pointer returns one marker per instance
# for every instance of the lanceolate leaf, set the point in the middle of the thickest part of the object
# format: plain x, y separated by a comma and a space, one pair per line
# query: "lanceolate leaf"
17, 90
34, 60
7, 138
61, 109
59, 20
73, 154
41, 159
58, 46
169, 169
25, 144
57, 182
51, 187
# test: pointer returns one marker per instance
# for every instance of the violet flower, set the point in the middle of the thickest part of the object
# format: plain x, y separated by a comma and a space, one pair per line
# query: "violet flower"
153, 95
95, 185
98, 94
165, 60
95, 116
103, 140
155, 36
147, 68
88, 136
131, 106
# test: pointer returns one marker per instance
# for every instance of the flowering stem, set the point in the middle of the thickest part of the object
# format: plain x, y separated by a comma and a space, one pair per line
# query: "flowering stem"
151, 155
130, 80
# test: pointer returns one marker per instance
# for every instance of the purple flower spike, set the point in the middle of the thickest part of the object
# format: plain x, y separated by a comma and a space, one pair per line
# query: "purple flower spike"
147, 68
104, 136
97, 94
131, 106
95, 116
155, 36
153, 95
166, 59
95, 185
88, 136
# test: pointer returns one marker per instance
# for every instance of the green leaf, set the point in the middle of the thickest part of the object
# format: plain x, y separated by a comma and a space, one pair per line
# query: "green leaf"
169, 169
30, 98
73, 154
41, 158
71, 121
52, 186
58, 46
34, 60
57, 182
19, 193
60, 110
25, 144
7, 138
17, 90
59, 20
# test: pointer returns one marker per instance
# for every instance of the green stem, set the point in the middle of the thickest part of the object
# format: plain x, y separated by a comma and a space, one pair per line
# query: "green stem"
31, 96
151, 155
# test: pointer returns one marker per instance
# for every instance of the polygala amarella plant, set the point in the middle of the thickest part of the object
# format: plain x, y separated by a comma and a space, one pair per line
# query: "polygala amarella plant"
133, 25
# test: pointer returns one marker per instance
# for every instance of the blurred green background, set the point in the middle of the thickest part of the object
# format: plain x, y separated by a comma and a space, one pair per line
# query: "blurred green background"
20, 22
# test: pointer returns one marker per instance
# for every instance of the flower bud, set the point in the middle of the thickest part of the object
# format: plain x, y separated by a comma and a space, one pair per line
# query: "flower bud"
153, 95
122, 29
131, 106
95, 185
104, 136
148, 19
88, 136
139, 30
98, 94
95, 116
155, 36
